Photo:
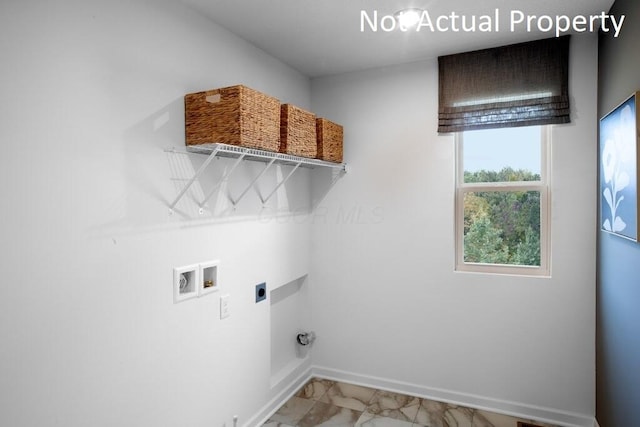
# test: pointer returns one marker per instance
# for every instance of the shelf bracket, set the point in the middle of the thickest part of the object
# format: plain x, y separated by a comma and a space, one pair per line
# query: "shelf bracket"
281, 183
193, 179
246, 190
223, 179
335, 178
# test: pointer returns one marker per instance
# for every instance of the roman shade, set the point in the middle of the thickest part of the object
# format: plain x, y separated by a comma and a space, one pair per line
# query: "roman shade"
523, 84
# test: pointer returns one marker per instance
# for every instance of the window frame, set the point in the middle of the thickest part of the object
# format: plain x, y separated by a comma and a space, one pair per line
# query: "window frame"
543, 186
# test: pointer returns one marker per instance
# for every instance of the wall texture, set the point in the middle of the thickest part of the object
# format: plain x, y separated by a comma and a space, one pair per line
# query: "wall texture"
389, 308
618, 319
91, 96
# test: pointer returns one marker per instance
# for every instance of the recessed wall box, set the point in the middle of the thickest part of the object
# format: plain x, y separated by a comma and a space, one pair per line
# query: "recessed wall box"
208, 277
185, 282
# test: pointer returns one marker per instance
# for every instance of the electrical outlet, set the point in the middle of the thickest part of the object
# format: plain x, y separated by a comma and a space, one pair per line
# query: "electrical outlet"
261, 292
224, 306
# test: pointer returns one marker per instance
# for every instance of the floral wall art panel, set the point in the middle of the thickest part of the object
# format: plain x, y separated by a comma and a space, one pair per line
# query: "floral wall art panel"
618, 170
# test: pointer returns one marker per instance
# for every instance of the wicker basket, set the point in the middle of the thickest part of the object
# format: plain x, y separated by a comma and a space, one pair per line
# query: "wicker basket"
235, 115
297, 131
329, 140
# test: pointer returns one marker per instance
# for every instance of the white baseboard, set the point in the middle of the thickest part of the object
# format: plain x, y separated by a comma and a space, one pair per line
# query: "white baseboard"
595, 423
297, 378
521, 410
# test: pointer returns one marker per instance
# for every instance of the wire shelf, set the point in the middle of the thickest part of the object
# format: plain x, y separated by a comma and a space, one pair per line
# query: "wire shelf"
250, 154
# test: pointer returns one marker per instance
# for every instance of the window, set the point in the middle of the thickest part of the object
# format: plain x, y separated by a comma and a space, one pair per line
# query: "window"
500, 102
502, 200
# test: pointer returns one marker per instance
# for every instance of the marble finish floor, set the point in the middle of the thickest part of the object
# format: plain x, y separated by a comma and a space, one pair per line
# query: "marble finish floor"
329, 403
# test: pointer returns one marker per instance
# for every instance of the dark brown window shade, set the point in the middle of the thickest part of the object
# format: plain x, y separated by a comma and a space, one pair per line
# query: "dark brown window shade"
523, 84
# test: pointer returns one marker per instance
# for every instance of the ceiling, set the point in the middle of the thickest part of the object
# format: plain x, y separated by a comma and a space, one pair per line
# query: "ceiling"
324, 37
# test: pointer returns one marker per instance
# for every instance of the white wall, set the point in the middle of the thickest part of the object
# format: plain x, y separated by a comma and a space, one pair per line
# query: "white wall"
388, 307
91, 96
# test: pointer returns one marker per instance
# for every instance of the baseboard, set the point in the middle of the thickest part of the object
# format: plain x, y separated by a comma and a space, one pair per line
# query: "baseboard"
300, 377
545, 415
595, 423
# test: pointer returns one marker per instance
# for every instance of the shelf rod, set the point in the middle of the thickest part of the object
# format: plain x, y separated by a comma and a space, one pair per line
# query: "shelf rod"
223, 179
193, 179
246, 190
282, 182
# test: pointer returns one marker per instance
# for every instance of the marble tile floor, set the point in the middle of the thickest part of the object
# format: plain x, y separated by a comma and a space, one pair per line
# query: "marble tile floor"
329, 403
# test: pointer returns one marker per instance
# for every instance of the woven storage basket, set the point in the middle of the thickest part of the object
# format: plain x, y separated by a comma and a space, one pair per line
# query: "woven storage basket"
235, 115
329, 140
297, 131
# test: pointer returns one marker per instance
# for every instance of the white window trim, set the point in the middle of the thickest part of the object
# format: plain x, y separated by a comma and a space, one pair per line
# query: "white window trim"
543, 186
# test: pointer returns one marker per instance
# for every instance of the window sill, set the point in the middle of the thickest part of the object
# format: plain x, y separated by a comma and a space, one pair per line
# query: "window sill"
499, 270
